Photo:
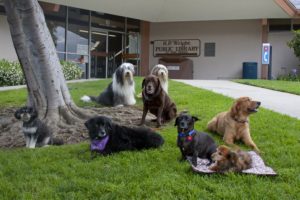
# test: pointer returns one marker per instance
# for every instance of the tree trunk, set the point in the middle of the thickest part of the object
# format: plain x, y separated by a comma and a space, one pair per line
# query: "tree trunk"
47, 89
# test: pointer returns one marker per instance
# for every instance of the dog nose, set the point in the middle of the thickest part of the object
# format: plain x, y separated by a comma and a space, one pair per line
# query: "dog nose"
182, 124
258, 103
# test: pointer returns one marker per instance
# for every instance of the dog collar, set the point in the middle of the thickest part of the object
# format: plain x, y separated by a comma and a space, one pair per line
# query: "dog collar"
189, 134
240, 121
99, 145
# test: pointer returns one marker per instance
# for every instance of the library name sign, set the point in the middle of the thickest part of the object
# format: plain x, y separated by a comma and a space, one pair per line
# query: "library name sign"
183, 47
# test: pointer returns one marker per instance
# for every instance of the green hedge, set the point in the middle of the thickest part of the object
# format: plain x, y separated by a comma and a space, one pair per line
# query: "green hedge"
11, 72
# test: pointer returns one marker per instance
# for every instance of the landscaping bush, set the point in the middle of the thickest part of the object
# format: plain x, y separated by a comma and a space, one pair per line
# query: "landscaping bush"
292, 76
11, 72
71, 70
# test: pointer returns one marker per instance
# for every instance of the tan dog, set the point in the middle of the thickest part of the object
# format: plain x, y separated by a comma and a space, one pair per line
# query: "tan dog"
161, 72
234, 124
227, 160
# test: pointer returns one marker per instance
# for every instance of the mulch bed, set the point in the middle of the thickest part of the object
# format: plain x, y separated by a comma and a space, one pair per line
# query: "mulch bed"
11, 134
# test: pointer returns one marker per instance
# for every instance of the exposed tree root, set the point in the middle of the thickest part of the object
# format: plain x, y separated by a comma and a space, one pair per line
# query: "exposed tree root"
66, 123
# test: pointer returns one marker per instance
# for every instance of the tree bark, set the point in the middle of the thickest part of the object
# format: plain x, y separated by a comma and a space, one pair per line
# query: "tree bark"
47, 89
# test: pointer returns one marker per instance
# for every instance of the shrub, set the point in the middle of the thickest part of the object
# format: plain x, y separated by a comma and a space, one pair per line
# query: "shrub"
295, 43
11, 72
292, 76
71, 70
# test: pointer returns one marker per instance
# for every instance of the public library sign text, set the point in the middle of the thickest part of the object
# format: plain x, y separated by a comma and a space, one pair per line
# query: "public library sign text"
183, 47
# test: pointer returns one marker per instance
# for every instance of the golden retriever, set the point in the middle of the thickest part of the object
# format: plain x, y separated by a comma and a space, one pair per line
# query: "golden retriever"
234, 124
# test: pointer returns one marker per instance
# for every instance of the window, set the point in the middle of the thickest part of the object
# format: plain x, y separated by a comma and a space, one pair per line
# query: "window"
56, 21
209, 49
279, 25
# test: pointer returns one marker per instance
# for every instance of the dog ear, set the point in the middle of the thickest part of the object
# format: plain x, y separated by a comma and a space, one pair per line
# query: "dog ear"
88, 123
18, 113
176, 121
143, 83
195, 118
233, 156
235, 109
108, 124
33, 112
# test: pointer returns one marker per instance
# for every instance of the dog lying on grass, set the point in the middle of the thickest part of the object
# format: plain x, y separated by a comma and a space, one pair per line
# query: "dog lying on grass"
234, 124
37, 134
191, 142
107, 137
227, 160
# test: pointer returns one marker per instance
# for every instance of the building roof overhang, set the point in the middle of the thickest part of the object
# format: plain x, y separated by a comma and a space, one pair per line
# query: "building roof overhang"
178, 10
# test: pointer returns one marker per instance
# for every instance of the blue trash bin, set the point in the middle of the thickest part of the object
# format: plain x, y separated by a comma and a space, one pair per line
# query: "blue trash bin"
249, 70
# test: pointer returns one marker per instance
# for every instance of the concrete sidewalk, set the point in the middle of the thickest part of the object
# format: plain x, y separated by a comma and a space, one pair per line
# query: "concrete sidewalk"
280, 102
16, 87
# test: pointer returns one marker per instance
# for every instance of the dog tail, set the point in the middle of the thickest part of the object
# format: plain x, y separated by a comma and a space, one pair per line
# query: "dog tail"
57, 141
86, 98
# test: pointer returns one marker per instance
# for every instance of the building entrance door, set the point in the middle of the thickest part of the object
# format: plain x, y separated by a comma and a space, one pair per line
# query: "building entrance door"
98, 54
106, 52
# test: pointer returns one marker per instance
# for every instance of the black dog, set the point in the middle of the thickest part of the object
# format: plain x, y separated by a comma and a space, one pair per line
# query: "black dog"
107, 137
35, 131
191, 142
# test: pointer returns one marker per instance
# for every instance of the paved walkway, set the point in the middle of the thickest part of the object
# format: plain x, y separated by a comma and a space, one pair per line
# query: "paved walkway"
24, 86
280, 102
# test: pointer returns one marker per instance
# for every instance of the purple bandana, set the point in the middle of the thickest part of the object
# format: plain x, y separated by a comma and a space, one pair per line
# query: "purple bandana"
99, 145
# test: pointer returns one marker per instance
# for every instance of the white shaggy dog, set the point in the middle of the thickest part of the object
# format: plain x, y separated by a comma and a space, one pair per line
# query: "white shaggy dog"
120, 91
162, 73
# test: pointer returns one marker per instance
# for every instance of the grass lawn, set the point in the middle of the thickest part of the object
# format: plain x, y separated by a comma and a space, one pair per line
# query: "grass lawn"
58, 172
292, 87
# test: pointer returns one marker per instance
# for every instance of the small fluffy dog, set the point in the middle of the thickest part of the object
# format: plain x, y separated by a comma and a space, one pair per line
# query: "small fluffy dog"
191, 142
227, 160
108, 137
157, 101
234, 124
35, 131
162, 73
120, 91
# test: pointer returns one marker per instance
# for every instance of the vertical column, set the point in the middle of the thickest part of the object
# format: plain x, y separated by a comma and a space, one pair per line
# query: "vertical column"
145, 45
264, 39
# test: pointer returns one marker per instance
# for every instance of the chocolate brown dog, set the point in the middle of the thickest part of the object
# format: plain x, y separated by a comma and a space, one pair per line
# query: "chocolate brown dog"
157, 101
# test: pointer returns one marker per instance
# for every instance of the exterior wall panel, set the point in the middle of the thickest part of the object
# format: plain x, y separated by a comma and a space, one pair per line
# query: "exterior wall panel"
7, 50
236, 42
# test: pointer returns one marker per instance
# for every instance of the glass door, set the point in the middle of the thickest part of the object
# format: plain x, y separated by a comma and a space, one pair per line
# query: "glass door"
99, 55
115, 51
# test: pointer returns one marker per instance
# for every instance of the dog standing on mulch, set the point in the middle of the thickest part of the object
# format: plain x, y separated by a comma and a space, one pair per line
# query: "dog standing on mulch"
35, 131
157, 101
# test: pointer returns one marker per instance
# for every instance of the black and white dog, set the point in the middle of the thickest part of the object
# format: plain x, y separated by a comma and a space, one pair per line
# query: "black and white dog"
35, 131
107, 137
191, 142
120, 91
162, 73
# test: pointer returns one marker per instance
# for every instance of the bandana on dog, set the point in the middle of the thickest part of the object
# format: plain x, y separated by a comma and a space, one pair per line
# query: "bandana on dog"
99, 145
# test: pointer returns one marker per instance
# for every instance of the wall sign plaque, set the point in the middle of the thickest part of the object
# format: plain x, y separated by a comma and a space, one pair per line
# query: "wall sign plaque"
183, 47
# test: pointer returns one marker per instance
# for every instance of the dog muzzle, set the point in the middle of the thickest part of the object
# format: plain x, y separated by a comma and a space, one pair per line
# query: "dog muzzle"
99, 145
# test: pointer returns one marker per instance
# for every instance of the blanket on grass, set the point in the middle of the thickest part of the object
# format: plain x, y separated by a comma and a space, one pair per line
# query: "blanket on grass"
258, 166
